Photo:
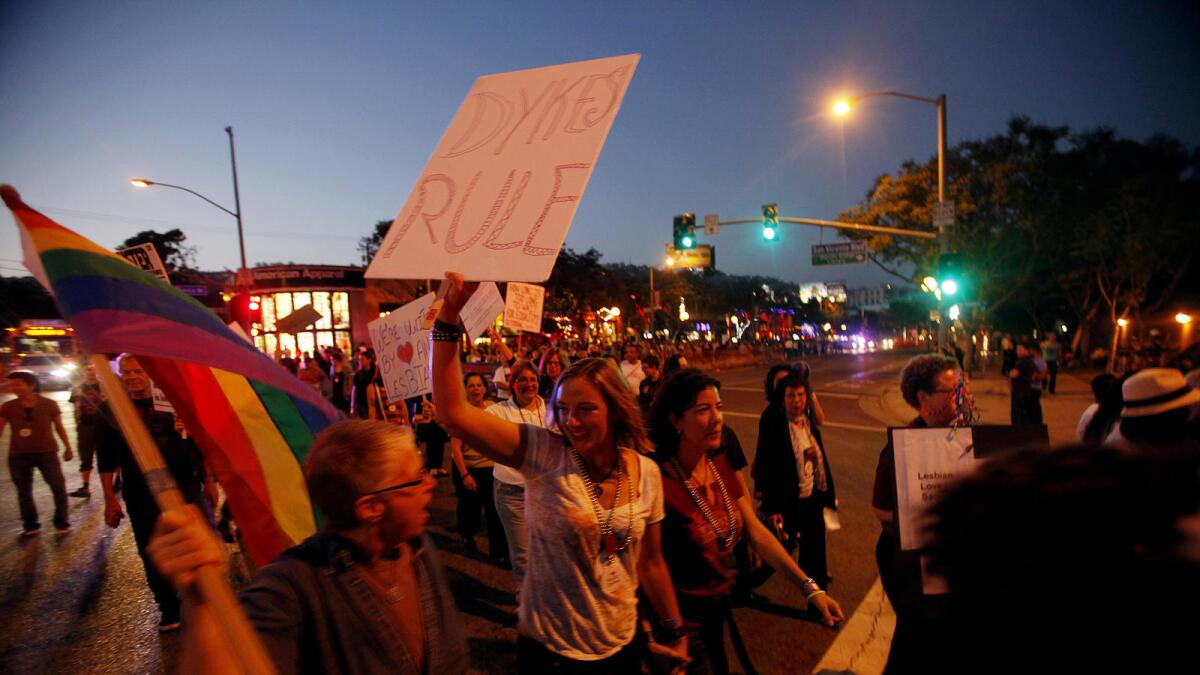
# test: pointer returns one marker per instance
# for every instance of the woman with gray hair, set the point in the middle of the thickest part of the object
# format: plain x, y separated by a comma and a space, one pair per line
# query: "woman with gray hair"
365, 594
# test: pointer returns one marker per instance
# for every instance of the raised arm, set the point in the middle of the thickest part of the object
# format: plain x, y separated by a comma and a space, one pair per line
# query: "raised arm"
498, 439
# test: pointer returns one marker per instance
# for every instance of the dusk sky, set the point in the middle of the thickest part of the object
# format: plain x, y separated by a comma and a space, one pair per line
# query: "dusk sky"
337, 106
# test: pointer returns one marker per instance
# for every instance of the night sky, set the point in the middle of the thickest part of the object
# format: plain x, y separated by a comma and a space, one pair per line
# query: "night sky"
337, 106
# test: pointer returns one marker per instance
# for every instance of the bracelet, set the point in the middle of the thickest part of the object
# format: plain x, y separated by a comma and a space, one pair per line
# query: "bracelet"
445, 332
810, 597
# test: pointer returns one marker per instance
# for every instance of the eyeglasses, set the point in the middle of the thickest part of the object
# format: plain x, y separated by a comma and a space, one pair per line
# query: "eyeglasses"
400, 486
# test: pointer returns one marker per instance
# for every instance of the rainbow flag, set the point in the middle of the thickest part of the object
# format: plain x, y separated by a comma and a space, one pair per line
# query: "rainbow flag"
252, 420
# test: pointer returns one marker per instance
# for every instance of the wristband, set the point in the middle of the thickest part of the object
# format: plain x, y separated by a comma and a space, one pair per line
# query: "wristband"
445, 332
810, 597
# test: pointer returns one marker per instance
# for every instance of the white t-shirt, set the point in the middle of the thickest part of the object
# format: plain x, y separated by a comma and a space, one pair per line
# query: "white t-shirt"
802, 440
1084, 420
571, 601
508, 410
633, 374
501, 377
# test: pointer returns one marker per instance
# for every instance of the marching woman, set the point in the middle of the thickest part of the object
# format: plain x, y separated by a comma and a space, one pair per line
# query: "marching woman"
593, 502
473, 484
707, 513
792, 473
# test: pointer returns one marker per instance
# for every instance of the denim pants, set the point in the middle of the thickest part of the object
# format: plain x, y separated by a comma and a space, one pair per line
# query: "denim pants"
510, 506
21, 466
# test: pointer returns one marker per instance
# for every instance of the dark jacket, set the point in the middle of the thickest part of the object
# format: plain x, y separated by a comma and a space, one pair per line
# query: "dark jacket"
315, 613
774, 472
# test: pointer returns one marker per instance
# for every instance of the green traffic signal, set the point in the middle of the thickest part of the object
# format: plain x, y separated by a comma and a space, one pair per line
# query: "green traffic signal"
950, 273
770, 224
684, 231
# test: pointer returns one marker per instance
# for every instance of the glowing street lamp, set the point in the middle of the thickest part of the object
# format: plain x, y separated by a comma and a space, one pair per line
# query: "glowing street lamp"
1183, 319
1122, 322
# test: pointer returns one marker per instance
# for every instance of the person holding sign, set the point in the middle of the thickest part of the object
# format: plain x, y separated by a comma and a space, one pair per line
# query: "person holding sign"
929, 383
594, 507
707, 514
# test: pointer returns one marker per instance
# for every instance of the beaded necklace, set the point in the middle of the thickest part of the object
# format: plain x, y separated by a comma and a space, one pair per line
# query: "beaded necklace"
724, 541
608, 538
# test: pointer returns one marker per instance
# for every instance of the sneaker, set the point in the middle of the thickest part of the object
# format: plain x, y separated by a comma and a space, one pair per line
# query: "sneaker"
84, 491
31, 531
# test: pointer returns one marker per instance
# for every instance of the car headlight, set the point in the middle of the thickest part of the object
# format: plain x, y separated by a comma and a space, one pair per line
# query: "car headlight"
70, 367
60, 373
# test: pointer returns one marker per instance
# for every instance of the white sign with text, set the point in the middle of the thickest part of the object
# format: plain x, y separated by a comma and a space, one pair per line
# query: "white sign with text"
402, 350
497, 196
481, 310
523, 307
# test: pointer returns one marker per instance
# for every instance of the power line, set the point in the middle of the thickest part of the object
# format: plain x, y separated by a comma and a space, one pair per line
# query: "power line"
109, 217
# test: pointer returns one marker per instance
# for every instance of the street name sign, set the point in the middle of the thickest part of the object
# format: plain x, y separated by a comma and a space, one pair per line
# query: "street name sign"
497, 196
842, 253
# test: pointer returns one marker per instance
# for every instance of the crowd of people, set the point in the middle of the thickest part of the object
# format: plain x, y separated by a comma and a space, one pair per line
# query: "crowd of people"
613, 490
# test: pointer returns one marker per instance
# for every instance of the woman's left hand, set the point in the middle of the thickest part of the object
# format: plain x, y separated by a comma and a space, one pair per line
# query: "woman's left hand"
831, 611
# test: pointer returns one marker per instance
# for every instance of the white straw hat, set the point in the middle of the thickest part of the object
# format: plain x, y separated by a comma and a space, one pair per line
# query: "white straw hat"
1155, 390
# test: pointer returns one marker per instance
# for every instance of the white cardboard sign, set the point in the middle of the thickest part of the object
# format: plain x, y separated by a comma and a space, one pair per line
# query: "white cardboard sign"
481, 310
402, 350
523, 307
926, 461
497, 196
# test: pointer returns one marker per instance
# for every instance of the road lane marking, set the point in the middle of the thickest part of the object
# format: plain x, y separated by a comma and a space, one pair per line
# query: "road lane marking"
835, 425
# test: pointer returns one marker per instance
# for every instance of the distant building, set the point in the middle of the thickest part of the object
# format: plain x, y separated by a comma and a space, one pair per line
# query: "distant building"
869, 298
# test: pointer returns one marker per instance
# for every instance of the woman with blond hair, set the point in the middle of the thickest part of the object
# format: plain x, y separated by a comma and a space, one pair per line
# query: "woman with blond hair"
593, 502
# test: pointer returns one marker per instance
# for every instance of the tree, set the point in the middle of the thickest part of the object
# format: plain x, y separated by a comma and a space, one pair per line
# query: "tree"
171, 247
1045, 219
367, 246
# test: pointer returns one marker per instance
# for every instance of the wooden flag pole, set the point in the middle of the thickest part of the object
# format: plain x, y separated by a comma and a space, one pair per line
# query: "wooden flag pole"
213, 587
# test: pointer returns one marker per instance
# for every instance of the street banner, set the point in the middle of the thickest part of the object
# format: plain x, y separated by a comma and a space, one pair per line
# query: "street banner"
481, 310
402, 350
145, 257
929, 459
523, 307
497, 196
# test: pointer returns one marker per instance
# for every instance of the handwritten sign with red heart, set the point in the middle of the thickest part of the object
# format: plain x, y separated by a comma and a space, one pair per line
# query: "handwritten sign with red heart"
405, 352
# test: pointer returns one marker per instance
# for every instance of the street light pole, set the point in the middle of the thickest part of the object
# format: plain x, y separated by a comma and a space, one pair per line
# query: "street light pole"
843, 107
237, 199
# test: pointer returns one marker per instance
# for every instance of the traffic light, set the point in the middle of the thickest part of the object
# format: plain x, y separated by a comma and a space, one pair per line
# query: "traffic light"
685, 231
950, 274
770, 224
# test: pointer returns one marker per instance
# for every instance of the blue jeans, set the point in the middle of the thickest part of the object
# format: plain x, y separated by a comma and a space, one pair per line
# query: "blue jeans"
510, 505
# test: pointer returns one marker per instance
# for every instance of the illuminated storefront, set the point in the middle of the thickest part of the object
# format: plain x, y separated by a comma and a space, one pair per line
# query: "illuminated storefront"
334, 293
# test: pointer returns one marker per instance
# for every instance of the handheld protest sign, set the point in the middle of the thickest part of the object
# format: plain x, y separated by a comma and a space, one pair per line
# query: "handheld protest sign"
929, 459
523, 307
481, 310
402, 349
497, 196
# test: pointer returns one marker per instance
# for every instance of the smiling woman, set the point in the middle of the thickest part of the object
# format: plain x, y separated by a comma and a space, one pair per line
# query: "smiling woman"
594, 504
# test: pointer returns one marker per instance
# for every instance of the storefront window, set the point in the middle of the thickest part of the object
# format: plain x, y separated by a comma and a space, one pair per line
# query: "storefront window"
342, 338
283, 305
324, 339
341, 309
320, 302
305, 342
287, 344
268, 312
271, 343
301, 300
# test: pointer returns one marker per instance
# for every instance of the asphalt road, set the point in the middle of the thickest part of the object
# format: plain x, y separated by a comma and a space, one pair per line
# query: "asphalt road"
79, 604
